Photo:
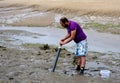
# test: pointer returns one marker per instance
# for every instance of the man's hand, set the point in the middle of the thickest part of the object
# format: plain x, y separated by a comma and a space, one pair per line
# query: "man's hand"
61, 43
62, 40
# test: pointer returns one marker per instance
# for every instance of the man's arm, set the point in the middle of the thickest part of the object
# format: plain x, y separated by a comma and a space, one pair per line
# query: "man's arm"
66, 37
72, 36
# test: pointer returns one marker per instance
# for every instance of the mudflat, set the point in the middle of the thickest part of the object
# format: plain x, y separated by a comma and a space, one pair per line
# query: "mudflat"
24, 56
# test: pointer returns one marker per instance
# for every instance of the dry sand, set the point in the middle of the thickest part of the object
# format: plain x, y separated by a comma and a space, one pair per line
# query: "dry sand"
78, 7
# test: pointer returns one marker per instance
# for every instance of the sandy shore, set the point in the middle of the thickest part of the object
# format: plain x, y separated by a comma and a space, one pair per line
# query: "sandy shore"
79, 7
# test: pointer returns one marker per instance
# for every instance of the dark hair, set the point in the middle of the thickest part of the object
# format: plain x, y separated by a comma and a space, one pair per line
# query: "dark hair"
64, 19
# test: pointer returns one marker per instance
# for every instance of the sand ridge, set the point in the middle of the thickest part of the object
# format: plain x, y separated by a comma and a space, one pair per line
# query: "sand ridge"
81, 7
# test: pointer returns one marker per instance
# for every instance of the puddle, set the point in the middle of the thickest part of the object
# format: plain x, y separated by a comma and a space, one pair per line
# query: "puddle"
92, 69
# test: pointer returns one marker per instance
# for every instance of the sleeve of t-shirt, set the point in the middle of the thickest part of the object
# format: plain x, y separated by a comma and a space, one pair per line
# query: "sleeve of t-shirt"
73, 27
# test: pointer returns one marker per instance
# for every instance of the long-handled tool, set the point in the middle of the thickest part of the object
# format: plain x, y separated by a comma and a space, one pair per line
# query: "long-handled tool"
56, 59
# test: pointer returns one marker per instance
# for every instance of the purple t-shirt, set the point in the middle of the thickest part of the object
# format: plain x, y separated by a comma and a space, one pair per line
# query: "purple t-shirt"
80, 35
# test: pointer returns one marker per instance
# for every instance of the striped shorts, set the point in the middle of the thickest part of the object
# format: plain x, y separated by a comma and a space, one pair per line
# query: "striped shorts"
81, 48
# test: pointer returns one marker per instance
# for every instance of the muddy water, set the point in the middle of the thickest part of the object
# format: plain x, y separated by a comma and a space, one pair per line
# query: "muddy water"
101, 42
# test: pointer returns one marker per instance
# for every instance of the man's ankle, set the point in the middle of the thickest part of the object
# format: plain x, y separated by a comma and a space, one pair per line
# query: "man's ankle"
82, 70
78, 68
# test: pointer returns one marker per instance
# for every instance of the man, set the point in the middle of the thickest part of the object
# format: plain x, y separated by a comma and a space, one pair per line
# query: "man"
75, 33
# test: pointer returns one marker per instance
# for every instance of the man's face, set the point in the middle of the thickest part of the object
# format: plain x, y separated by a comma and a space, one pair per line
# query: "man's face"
64, 24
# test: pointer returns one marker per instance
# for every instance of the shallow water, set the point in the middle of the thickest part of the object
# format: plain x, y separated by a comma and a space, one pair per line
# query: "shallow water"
100, 42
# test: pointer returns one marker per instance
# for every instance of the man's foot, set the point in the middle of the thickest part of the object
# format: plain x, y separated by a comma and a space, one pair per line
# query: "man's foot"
78, 68
81, 70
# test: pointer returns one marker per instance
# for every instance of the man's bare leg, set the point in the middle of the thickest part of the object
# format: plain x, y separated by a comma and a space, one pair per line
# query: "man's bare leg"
78, 64
83, 63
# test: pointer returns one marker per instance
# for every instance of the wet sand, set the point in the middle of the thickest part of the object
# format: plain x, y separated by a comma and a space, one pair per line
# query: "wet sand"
23, 60
33, 64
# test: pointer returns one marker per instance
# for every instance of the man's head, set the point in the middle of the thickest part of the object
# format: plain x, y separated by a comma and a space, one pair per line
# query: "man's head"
64, 22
